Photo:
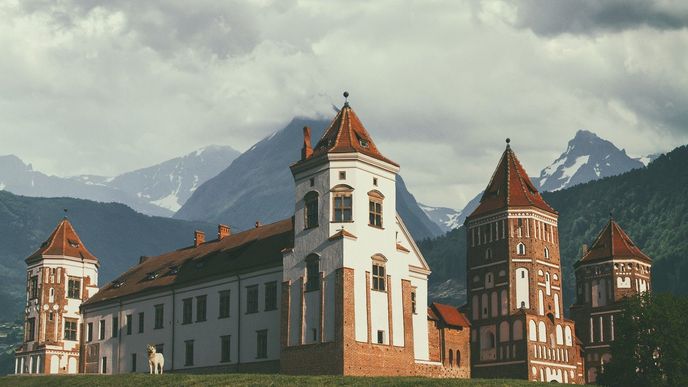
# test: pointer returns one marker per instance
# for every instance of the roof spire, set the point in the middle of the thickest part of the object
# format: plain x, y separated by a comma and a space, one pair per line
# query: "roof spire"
346, 99
508, 140
65, 212
611, 216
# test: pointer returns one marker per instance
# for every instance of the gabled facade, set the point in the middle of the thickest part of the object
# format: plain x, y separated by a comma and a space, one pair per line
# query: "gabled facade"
612, 269
60, 275
514, 283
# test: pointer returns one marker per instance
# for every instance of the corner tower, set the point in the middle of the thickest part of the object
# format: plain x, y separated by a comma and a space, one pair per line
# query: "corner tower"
355, 284
60, 275
514, 283
612, 269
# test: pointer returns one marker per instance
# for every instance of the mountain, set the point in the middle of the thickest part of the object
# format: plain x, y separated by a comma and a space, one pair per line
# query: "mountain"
258, 186
649, 203
586, 158
113, 232
449, 219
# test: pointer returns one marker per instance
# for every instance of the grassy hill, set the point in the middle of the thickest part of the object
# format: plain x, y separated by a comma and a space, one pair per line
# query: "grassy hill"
651, 204
247, 380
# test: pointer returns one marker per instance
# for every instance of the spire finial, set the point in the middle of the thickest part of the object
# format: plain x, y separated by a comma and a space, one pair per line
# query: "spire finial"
65, 212
611, 216
346, 98
508, 140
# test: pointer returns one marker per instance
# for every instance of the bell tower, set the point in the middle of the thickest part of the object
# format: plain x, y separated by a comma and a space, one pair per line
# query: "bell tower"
60, 275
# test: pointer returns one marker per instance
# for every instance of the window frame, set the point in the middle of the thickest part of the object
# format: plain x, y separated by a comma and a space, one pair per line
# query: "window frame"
71, 289
70, 329
375, 209
225, 303
252, 303
187, 310
159, 316
312, 273
341, 193
378, 274
262, 344
33, 287
270, 296
142, 322
201, 308
101, 330
226, 349
130, 324
188, 353
311, 204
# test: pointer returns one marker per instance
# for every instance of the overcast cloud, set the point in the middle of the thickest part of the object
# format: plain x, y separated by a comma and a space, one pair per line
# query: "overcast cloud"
104, 87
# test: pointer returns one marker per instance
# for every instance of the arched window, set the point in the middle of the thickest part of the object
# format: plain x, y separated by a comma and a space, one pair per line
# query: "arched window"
484, 305
522, 288
548, 286
532, 330
379, 273
517, 330
488, 253
521, 249
51, 295
312, 272
487, 341
541, 303
342, 203
560, 335
495, 304
557, 314
542, 332
489, 280
458, 358
451, 358
503, 331
311, 209
375, 199
504, 302
546, 253
567, 336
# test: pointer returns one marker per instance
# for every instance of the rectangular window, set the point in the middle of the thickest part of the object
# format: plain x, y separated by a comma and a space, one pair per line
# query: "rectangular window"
74, 288
70, 329
271, 295
375, 218
160, 348
89, 332
225, 348
101, 330
380, 337
342, 207
413, 301
311, 207
224, 303
142, 322
159, 310
201, 303
30, 329
342, 175
252, 299
188, 354
129, 324
187, 312
103, 365
133, 362
312, 273
379, 277
262, 344
115, 326
33, 287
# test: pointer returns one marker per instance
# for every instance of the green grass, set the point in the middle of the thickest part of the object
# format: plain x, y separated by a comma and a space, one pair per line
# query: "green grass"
246, 380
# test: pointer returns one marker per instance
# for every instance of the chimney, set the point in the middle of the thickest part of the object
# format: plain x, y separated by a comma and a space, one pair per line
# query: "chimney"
258, 224
143, 259
585, 249
307, 150
223, 231
199, 238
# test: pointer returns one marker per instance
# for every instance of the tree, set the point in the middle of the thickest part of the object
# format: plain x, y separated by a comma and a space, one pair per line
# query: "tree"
651, 343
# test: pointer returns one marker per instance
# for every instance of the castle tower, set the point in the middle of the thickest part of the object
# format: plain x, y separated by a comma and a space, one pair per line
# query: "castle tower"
60, 275
355, 284
514, 283
613, 268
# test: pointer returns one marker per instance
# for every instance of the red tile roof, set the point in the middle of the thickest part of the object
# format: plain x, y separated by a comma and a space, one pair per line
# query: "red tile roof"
449, 315
249, 250
346, 134
510, 187
613, 242
63, 241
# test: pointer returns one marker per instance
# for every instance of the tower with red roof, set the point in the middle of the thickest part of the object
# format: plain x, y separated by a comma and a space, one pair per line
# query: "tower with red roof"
61, 274
612, 269
514, 283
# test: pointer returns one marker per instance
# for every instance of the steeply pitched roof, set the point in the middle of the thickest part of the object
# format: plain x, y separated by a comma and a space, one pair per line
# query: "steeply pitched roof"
510, 187
613, 242
63, 241
449, 315
346, 134
257, 248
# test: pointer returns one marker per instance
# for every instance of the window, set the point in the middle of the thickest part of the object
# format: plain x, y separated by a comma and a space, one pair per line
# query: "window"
380, 337
30, 329
142, 322
74, 288
314, 332
252, 299
375, 181
488, 253
201, 306
129, 324
89, 332
33, 287
312, 181
101, 330
311, 209
103, 365
187, 310
379, 276
70, 329
521, 249
189, 352
451, 358
133, 362
546, 253
159, 311
271, 296
375, 208
115, 326
261, 344
159, 348
312, 273
225, 348
342, 203
413, 301
224, 304
342, 175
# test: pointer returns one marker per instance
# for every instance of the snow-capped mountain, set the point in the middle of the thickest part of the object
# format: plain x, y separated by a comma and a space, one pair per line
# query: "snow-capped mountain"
586, 158
449, 219
258, 186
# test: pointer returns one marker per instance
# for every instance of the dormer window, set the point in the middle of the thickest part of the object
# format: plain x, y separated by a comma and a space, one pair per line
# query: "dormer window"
311, 210
151, 275
73, 243
174, 269
363, 142
118, 283
342, 203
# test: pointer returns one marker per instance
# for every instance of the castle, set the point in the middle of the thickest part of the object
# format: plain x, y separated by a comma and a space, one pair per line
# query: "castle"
339, 288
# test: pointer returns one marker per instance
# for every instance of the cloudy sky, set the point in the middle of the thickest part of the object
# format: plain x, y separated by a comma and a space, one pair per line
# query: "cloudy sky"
106, 86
